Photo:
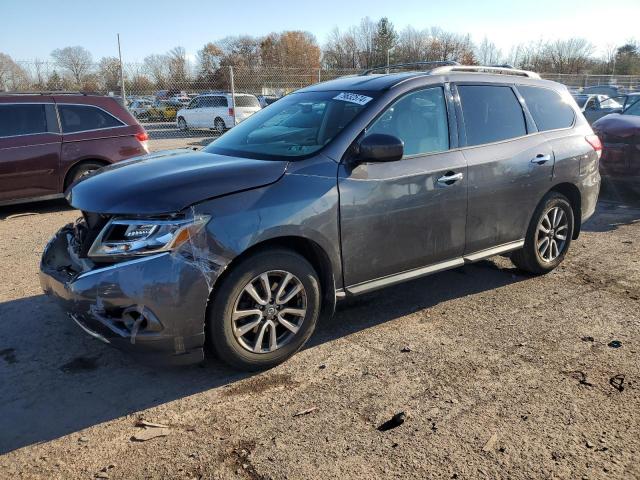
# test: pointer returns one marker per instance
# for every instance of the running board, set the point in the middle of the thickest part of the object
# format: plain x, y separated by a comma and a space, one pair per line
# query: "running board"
387, 281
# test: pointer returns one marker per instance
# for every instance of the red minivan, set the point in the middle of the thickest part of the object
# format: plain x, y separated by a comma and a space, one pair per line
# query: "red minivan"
47, 141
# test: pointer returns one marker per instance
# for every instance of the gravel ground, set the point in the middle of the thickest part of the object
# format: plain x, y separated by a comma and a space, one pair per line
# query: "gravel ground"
500, 375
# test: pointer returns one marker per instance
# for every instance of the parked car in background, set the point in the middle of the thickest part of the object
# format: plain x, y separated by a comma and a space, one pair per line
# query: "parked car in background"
182, 99
620, 136
140, 108
47, 142
595, 106
215, 111
338, 189
164, 110
608, 90
266, 100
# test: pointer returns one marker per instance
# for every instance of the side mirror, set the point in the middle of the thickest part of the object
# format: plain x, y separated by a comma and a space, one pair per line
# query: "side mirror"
379, 147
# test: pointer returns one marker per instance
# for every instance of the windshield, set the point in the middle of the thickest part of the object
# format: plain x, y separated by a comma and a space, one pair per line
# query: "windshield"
295, 126
634, 107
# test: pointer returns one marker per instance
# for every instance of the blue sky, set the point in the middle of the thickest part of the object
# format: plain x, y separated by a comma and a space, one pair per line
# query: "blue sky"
31, 29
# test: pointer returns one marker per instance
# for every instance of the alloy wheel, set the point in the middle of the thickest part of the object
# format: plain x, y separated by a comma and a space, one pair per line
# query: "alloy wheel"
551, 234
269, 311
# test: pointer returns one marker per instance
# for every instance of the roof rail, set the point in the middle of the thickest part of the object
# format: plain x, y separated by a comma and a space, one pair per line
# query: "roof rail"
484, 69
410, 64
53, 92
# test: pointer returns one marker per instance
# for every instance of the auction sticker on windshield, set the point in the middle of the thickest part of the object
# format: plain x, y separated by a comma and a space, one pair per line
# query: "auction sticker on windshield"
353, 98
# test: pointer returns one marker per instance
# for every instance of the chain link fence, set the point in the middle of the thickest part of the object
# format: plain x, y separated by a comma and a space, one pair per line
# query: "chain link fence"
155, 94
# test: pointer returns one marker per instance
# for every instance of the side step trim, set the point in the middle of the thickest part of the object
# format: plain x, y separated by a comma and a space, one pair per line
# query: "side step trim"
403, 276
389, 280
491, 252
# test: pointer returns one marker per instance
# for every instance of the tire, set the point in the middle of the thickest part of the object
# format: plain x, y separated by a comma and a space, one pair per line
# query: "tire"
219, 125
182, 124
240, 350
81, 171
534, 257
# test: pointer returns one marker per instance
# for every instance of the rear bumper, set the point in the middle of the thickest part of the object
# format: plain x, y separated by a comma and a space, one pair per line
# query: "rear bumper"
153, 306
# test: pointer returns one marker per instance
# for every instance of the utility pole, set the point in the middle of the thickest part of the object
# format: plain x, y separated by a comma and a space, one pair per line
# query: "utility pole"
122, 92
233, 94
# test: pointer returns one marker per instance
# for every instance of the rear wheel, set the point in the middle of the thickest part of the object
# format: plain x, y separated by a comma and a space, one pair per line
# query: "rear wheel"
264, 310
219, 125
81, 171
182, 124
548, 236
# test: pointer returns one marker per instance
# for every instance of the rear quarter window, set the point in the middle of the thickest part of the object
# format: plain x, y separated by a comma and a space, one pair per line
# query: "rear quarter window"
81, 118
548, 109
491, 113
25, 119
247, 101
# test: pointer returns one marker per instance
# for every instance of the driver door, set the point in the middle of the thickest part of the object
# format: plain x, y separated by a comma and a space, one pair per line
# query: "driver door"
404, 218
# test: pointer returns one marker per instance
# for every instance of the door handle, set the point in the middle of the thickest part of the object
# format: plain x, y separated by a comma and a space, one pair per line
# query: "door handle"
450, 178
541, 158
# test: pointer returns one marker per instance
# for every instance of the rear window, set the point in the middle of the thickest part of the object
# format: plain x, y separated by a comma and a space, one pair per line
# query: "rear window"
26, 119
80, 118
247, 101
491, 113
548, 109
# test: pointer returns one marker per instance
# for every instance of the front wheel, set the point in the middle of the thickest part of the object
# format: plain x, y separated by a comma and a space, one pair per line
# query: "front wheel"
182, 124
548, 236
264, 310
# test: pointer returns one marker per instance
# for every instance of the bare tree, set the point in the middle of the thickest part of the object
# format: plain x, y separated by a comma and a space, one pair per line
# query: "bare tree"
243, 51
488, 53
157, 67
12, 75
209, 60
77, 61
178, 65
109, 73
341, 50
567, 56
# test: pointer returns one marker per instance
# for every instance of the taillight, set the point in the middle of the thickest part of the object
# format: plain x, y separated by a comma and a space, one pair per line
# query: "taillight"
231, 111
142, 136
595, 142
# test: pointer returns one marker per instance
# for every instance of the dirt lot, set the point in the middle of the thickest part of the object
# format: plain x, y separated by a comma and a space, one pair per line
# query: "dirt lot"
506, 376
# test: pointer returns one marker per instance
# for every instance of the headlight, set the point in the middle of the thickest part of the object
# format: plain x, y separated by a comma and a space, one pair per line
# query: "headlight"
123, 237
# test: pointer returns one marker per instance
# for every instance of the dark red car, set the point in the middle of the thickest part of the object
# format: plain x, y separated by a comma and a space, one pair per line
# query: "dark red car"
47, 141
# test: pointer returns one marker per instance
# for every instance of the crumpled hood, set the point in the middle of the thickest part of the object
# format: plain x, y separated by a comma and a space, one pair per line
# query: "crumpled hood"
617, 125
169, 181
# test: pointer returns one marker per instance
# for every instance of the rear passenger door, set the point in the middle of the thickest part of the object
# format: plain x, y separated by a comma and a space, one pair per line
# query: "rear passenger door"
29, 151
509, 168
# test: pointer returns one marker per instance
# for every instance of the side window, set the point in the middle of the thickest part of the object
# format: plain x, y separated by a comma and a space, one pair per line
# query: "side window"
195, 103
491, 113
80, 118
548, 109
419, 119
26, 119
220, 102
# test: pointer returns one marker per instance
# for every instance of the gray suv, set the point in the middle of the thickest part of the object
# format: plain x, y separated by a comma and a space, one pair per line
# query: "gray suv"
335, 190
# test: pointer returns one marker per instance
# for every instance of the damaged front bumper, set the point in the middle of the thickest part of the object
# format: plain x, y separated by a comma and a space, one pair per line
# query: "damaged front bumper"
153, 305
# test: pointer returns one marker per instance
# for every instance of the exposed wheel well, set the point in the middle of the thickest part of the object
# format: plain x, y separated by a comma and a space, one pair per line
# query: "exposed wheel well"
570, 191
311, 251
72, 170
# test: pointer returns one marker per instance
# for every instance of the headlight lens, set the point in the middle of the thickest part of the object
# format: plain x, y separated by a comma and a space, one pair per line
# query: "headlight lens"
123, 237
